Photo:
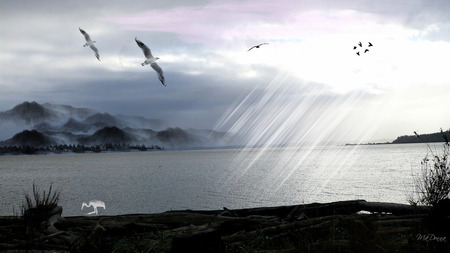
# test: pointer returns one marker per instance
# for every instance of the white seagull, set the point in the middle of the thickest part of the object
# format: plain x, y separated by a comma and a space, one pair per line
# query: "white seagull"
90, 43
151, 60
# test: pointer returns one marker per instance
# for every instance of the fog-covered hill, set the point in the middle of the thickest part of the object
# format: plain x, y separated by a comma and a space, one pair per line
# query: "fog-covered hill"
48, 124
30, 113
29, 138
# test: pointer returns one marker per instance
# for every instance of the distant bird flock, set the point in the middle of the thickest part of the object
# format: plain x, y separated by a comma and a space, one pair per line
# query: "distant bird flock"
150, 60
361, 48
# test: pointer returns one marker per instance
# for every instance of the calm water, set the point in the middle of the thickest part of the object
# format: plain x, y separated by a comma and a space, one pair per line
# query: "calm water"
148, 182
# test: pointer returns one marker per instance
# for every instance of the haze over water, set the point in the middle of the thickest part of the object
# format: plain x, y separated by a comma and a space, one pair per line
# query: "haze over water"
149, 182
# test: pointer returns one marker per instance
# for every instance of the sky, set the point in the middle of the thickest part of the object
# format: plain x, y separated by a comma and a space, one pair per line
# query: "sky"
306, 82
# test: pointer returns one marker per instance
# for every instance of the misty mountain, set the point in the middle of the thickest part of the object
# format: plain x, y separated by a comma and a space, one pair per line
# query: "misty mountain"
64, 137
107, 135
142, 135
65, 118
102, 120
169, 138
31, 138
74, 126
33, 113
176, 137
206, 132
64, 124
141, 122
45, 126
29, 113
71, 112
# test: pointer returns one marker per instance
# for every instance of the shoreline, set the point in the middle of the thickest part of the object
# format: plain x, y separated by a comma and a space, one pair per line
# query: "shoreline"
343, 226
388, 143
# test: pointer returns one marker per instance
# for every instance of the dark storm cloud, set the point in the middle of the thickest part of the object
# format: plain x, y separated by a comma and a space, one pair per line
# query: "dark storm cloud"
187, 101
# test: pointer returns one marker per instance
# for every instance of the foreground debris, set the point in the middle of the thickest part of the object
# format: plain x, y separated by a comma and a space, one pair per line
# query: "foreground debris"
331, 227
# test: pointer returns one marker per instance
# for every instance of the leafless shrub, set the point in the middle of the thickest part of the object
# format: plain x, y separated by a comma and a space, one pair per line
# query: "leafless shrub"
433, 184
38, 207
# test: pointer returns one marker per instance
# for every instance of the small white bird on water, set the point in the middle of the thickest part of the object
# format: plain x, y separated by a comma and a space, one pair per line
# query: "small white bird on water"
90, 43
151, 60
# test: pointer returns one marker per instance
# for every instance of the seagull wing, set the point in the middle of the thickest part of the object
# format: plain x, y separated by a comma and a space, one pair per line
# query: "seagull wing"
160, 72
145, 49
96, 51
251, 48
86, 35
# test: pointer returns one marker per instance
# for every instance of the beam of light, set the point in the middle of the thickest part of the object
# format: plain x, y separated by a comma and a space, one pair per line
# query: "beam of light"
296, 122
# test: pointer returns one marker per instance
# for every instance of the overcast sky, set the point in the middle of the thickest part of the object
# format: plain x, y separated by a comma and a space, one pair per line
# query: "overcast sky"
309, 68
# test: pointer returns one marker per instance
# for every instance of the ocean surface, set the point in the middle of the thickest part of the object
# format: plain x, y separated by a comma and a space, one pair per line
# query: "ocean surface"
158, 181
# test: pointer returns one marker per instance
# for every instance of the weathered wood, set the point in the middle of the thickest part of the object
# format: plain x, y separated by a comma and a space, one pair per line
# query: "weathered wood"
394, 208
318, 209
316, 227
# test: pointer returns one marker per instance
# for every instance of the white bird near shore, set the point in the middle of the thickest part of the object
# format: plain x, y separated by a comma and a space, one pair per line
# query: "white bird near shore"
90, 43
151, 60
94, 203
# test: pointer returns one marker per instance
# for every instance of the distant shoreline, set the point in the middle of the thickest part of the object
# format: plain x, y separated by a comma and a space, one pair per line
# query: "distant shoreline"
438, 137
388, 143
370, 143
79, 149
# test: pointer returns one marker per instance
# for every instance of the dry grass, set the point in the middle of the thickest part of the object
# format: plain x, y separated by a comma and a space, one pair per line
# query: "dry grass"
38, 208
433, 184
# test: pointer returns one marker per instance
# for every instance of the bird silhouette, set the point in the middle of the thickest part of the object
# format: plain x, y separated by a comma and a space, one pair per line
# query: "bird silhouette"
354, 47
257, 46
370, 44
367, 50
357, 53
360, 44
151, 60
90, 43
94, 203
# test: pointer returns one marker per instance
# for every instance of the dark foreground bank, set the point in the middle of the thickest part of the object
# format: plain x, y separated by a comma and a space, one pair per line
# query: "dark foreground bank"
331, 227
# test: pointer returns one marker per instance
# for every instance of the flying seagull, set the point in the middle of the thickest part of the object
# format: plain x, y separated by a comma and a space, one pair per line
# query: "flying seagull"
357, 53
370, 44
90, 43
257, 46
354, 47
367, 50
360, 44
151, 60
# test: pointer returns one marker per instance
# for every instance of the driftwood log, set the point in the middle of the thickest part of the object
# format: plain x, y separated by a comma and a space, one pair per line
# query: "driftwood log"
344, 226
317, 209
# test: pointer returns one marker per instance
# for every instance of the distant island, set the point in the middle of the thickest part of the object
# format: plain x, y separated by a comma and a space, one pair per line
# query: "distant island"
49, 128
424, 138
